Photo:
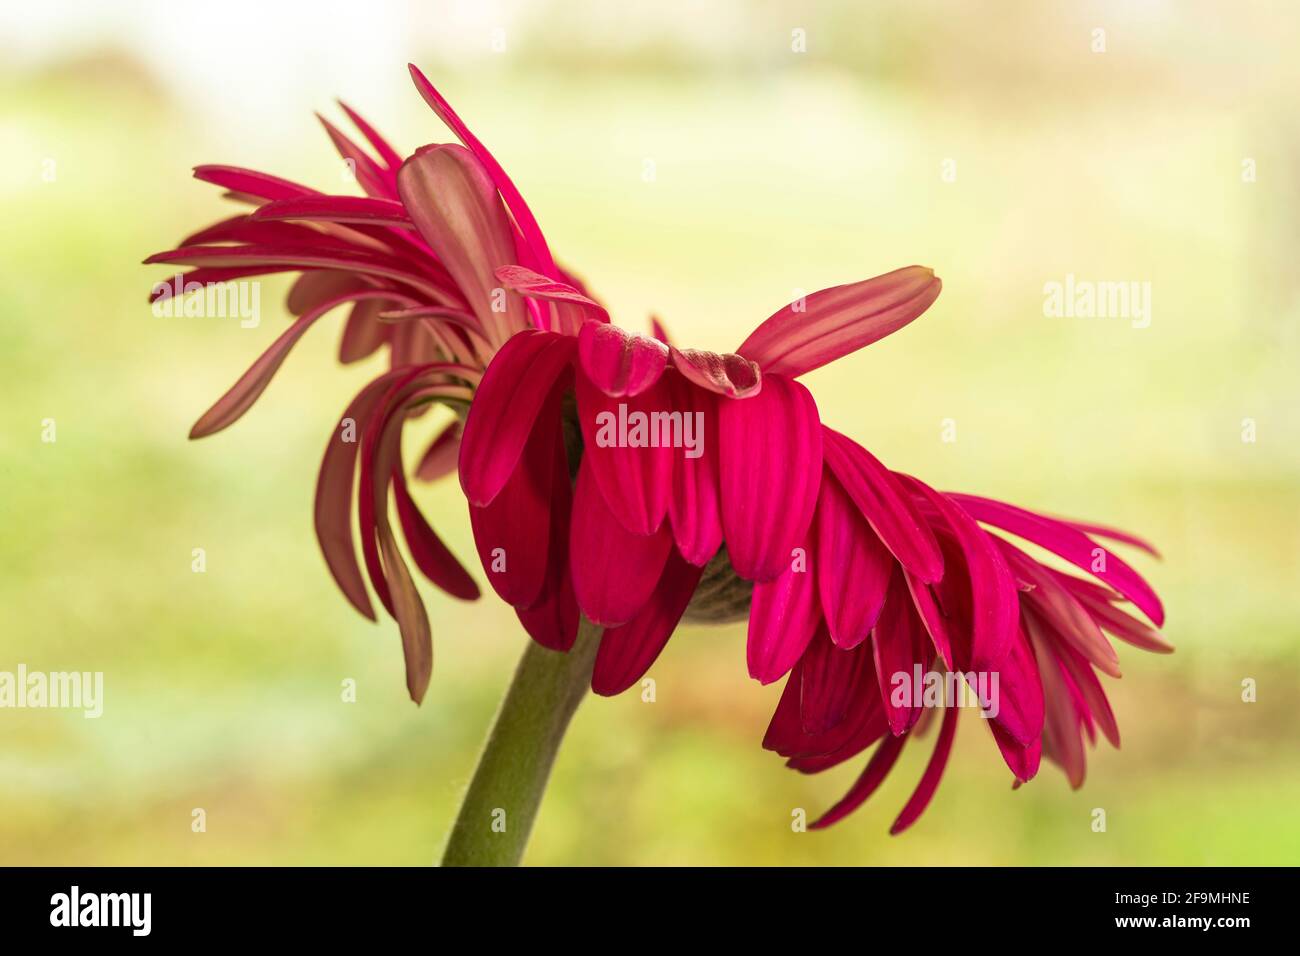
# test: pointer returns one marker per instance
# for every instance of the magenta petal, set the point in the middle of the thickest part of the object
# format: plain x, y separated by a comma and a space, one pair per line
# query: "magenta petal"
730, 375
614, 571
553, 620
364, 210
619, 362
512, 532
862, 726
1111, 619
320, 255
627, 652
877, 769
1115, 534
1020, 694
994, 597
832, 677
853, 567
439, 459
167, 289
364, 333
391, 157
531, 232
770, 466
506, 403
248, 228
899, 644
1061, 738
785, 734
456, 208
250, 182
1021, 759
809, 333
572, 308
431, 556
886, 505
1090, 690
333, 508
842, 742
316, 286
1071, 544
920, 798
635, 480
693, 508
1061, 612
927, 607
241, 396
783, 617
375, 180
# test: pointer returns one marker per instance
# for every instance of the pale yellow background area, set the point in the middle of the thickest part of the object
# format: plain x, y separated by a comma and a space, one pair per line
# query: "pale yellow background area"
774, 172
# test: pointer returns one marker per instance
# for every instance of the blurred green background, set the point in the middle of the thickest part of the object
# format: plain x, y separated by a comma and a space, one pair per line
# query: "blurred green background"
775, 171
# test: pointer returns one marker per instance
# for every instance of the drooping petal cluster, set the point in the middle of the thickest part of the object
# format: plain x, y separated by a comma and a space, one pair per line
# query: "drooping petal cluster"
608, 474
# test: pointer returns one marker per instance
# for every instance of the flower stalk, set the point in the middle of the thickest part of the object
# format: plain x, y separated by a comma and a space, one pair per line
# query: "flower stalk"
497, 814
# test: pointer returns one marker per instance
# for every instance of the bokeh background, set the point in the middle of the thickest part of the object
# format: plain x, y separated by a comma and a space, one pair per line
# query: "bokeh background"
775, 171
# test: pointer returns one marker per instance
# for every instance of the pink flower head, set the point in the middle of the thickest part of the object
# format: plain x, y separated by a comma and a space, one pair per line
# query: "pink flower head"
618, 477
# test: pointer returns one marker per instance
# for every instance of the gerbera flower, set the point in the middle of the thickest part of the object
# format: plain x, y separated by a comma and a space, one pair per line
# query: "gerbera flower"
620, 478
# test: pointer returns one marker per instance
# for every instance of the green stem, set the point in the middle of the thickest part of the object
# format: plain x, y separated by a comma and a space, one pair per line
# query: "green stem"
501, 803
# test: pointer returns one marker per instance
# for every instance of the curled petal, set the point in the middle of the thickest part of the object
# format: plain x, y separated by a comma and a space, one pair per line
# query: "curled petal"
729, 375
619, 362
